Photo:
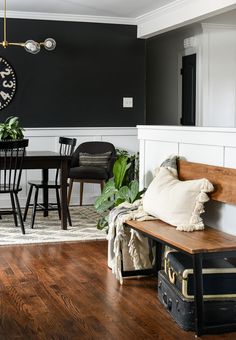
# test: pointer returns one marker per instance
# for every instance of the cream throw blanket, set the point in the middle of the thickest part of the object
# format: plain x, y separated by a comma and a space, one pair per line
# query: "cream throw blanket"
128, 245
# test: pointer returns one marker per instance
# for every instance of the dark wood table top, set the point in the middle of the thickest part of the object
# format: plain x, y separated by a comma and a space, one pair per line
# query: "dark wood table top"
45, 154
43, 160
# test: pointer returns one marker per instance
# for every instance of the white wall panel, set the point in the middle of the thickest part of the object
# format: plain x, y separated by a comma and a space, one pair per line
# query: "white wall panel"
128, 143
218, 75
156, 153
207, 154
230, 157
215, 146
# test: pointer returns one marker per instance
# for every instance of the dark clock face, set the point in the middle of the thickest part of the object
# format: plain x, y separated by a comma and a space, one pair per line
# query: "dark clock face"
7, 83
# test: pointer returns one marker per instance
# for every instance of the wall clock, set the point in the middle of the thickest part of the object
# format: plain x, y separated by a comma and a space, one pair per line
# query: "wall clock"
7, 83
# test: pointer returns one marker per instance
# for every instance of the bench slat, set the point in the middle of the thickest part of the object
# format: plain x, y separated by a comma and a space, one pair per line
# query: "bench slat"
223, 179
205, 241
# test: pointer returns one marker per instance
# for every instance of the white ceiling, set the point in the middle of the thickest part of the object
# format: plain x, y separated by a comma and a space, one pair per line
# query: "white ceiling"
151, 17
111, 8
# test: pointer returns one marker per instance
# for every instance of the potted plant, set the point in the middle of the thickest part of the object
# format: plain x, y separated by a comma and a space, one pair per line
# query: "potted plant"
10, 129
122, 187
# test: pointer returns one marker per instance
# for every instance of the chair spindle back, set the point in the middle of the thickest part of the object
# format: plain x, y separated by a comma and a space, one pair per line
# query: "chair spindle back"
11, 161
67, 146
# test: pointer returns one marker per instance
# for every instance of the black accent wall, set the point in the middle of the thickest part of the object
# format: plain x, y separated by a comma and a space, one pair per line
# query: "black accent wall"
83, 81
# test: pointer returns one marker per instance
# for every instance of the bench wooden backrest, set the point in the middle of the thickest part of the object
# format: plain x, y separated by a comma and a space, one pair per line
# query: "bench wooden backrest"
223, 179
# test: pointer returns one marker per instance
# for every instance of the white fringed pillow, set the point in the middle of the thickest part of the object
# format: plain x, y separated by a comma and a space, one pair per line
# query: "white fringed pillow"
176, 202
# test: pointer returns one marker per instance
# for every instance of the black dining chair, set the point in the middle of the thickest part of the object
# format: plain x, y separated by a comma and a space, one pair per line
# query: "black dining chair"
67, 146
92, 162
11, 161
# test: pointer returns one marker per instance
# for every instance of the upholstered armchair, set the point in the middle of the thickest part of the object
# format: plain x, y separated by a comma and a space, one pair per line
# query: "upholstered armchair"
92, 162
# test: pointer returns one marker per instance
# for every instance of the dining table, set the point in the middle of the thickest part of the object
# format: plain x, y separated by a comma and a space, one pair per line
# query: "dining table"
46, 160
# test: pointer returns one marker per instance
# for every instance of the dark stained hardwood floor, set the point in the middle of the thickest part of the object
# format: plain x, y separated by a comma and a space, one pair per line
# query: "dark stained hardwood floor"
65, 291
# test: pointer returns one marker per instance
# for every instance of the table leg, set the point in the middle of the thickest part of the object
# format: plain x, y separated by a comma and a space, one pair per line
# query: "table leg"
45, 191
198, 294
158, 255
64, 176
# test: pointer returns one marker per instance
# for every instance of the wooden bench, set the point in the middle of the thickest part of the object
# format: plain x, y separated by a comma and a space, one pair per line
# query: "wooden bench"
198, 244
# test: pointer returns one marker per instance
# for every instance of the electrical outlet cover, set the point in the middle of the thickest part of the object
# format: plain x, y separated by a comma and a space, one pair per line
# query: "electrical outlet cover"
128, 102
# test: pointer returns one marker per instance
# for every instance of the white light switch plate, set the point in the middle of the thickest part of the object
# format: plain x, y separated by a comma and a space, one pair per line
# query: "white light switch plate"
128, 102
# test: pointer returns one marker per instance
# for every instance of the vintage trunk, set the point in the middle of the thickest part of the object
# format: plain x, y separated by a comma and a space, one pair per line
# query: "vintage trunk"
219, 276
182, 309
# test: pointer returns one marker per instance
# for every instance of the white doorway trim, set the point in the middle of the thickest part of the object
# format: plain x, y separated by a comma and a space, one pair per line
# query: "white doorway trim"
196, 49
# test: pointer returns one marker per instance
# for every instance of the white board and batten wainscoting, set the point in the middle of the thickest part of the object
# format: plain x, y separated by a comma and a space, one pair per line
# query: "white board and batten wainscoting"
214, 146
47, 139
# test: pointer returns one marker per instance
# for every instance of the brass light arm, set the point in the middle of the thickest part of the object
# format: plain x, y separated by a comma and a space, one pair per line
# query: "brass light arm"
6, 43
23, 44
16, 44
30, 46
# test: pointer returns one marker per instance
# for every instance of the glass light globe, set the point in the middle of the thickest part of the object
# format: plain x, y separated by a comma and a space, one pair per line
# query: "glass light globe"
50, 44
32, 46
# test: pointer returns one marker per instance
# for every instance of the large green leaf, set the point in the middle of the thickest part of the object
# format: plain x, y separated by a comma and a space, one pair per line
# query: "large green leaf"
118, 201
13, 121
105, 206
124, 193
129, 193
134, 190
103, 222
119, 170
106, 199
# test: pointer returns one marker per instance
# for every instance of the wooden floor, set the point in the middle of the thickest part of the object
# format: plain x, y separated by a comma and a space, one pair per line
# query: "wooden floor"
65, 291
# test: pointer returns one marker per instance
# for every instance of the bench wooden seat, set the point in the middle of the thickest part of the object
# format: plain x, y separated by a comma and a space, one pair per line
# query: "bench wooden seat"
209, 240
198, 244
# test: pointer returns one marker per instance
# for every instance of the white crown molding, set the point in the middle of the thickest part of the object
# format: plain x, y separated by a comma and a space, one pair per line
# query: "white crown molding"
173, 15
157, 12
69, 17
179, 13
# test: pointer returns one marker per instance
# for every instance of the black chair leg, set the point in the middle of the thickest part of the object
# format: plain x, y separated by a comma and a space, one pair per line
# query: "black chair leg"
14, 209
69, 217
81, 192
70, 191
34, 207
58, 203
19, 214
28, 202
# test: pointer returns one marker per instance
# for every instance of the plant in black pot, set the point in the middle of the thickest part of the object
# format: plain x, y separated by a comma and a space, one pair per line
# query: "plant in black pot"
11, 129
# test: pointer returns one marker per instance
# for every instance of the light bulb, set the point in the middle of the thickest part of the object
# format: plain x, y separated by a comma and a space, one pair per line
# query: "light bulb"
32, 46
49, 44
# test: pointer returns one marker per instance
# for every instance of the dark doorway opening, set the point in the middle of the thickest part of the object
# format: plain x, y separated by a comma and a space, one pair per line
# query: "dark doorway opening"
188, 73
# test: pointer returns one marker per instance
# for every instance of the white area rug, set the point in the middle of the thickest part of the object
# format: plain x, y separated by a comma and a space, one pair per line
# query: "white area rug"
48, 229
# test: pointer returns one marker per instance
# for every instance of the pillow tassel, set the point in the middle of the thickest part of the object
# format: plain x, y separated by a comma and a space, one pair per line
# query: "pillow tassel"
191, 227
207, 186
196, 221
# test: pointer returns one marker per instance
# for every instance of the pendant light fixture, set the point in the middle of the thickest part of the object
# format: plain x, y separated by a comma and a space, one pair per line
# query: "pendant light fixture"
30, 46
